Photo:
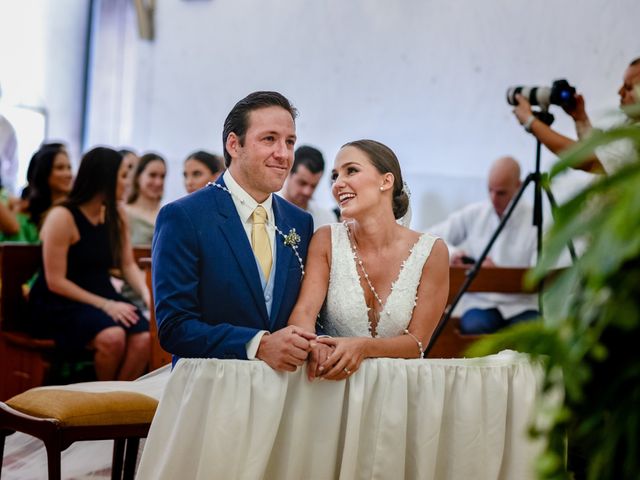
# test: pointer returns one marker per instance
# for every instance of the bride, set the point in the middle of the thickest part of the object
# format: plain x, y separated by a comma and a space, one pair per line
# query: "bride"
384, 287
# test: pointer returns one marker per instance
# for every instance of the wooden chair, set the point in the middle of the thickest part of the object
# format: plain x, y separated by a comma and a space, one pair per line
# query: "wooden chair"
61, 417
452, 343
141, 252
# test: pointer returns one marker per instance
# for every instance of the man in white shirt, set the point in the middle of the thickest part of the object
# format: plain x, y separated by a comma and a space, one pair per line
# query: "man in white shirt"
302, 181
468, 231
607, 159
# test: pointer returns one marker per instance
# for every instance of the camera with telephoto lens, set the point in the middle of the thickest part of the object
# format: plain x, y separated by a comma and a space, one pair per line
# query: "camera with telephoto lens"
560, 93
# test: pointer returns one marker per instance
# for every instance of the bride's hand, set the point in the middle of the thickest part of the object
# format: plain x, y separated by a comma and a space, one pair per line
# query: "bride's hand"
345, 359
317, 356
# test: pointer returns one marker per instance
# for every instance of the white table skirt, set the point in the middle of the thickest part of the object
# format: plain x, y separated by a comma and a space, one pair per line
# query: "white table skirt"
419, 419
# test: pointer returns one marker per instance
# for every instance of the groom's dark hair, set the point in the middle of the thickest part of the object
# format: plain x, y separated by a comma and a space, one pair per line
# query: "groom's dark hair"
238, 119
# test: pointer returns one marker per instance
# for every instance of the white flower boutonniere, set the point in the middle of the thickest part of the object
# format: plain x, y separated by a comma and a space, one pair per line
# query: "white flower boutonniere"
292, 239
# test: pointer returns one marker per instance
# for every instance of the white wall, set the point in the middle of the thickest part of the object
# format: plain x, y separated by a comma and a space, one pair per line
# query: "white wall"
42, 46
427, 77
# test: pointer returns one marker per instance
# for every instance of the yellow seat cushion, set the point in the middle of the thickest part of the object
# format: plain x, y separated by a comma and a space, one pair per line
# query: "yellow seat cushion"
86, 408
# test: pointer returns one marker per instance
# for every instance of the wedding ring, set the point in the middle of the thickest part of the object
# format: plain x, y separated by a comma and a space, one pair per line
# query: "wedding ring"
347, 371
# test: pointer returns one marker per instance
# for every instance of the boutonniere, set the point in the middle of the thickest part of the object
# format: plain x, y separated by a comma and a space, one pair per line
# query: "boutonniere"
292, 239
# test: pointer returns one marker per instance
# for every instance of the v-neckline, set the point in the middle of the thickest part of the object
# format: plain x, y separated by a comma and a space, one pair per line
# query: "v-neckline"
404, 263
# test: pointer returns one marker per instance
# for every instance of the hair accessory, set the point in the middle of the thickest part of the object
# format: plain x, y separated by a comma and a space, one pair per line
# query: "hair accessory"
405, 189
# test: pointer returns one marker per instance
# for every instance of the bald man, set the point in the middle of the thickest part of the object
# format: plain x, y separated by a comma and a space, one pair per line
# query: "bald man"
468, 231
607, 159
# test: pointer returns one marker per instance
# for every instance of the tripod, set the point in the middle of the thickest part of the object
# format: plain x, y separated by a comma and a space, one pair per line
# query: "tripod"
535, 177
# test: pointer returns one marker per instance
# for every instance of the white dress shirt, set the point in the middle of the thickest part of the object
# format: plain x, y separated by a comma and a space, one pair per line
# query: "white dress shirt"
471, 228
8, 155
245, 205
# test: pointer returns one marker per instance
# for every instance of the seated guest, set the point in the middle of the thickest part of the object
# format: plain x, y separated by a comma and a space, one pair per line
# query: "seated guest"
467, 233
144, 199
51, 181
306, 173
201, 168
130, 158
142, 208
49, 178
74, 301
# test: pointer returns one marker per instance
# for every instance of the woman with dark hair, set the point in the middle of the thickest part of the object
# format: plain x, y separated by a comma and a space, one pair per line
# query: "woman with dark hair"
143, 202
74, 301
201, 168
49, 180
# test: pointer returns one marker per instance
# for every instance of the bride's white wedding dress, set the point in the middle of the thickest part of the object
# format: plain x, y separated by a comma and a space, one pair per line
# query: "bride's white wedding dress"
345, 313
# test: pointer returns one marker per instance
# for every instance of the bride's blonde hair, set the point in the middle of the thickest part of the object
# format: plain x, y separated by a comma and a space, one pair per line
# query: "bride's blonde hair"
385, 161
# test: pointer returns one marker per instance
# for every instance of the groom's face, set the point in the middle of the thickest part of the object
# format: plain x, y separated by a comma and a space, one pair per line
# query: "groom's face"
262, 162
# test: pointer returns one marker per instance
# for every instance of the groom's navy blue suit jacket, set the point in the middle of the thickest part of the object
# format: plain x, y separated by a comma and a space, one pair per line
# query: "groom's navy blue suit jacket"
208, 296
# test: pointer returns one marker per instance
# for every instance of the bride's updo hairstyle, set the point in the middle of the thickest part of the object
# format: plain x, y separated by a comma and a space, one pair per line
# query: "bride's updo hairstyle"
385, 161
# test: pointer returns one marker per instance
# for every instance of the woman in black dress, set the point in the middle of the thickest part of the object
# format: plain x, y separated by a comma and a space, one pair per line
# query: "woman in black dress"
74, 301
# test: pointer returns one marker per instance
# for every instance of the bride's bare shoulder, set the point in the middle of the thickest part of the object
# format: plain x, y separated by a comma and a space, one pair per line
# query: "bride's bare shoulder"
321, 238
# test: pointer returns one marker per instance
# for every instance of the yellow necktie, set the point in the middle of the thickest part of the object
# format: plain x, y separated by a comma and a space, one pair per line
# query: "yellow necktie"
260, 240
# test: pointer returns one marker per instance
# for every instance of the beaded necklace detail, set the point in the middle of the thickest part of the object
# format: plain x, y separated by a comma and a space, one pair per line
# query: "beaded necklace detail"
372, 326
290, 239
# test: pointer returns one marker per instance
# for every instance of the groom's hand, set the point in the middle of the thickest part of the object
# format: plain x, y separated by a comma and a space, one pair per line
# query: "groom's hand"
285, 349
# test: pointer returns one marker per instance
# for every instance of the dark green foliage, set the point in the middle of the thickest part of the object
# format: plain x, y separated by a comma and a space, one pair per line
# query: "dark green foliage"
589, 342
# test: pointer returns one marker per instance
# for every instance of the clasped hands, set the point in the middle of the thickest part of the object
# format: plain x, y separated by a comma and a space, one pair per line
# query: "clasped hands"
329, 358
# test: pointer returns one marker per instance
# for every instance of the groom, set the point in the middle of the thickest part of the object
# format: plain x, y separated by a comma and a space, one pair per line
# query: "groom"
226, 278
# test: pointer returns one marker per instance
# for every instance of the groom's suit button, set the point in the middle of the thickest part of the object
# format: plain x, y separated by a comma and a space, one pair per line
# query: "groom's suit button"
267, 298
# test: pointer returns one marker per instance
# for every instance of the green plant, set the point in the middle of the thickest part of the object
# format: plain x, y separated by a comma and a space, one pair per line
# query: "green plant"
589, 341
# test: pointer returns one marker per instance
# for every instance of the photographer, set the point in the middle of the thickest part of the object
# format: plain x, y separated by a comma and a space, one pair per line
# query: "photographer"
606, 159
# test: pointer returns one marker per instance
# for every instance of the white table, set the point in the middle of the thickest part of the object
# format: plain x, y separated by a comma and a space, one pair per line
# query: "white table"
423, 419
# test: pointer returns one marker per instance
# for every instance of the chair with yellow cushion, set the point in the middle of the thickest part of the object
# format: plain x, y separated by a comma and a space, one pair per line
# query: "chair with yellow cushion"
60, 417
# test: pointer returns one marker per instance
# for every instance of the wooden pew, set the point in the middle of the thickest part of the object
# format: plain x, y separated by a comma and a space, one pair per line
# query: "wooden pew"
452, 343
24, 360
159, 356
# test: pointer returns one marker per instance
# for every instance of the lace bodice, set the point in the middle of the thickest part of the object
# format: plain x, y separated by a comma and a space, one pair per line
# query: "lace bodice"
345, 313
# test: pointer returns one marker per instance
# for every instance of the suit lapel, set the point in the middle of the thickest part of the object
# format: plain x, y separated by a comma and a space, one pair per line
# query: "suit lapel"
284, 255
233, 230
